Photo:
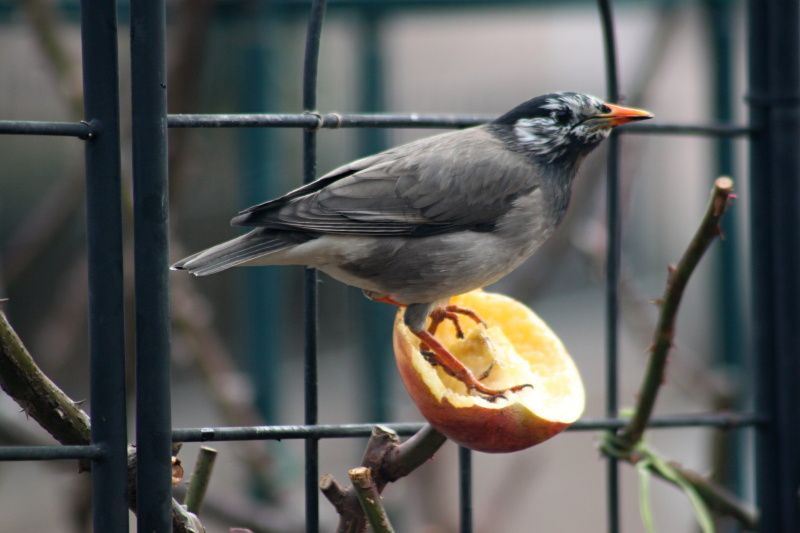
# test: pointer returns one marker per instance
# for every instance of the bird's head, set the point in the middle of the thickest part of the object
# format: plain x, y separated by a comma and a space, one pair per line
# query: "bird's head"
563, 125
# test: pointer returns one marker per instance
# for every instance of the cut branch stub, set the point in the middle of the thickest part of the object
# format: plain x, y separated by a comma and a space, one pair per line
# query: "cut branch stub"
387, 460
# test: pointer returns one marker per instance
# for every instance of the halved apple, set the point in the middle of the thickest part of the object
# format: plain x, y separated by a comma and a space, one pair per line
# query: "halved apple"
520, 348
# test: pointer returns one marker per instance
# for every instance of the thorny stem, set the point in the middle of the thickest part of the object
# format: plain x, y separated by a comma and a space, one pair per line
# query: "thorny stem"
39, 397
624, 445
59, 415
665, 329
370, 499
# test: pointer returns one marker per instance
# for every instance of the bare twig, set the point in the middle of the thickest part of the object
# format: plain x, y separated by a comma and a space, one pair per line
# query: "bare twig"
388, 460
198, 483
370, 499
627, 445
677, 280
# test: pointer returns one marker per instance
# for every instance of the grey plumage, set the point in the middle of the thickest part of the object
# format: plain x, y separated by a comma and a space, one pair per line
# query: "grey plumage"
239, 250
433, 218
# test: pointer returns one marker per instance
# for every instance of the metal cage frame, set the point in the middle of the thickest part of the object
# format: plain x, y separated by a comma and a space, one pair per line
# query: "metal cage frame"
773, 131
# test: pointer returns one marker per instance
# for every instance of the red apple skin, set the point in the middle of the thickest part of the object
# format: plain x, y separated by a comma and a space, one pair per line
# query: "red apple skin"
507, 429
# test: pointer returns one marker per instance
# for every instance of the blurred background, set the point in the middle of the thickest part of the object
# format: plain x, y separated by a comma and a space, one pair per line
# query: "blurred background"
237, 342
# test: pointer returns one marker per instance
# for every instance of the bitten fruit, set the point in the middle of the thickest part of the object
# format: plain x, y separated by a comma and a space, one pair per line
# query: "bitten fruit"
519, 348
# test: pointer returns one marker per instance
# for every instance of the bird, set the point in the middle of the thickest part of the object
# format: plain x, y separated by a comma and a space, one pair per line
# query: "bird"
421, 222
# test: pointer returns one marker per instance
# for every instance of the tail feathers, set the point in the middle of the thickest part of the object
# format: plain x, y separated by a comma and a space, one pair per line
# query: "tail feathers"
236, 251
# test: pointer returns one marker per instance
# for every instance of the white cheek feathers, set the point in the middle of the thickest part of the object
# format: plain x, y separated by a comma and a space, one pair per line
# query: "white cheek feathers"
542, 137
590, 135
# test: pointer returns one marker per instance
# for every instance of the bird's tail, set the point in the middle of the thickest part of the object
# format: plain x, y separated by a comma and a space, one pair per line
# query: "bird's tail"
257, 243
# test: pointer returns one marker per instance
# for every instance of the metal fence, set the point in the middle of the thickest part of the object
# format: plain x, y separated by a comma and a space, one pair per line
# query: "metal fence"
773, 132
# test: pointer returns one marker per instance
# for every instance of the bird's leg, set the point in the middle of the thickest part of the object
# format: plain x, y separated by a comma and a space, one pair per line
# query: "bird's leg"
414, 318
458, 370
375, 297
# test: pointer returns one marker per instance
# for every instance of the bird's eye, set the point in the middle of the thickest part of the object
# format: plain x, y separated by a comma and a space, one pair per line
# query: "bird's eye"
562, 116
605, 109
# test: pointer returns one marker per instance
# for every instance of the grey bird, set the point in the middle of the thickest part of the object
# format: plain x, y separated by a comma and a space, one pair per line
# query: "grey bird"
419, 223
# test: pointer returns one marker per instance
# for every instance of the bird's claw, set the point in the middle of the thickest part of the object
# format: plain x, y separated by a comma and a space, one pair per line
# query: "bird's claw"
485, 374
429, 356
493, 396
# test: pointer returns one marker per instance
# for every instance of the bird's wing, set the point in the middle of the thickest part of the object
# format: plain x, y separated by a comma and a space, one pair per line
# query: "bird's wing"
252, 215
453, 181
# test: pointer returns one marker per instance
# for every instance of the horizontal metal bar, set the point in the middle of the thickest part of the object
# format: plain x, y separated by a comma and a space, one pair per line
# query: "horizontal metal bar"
327, 120
411, 120
322, 431
46, 453
340, 431
82, 130
711, 420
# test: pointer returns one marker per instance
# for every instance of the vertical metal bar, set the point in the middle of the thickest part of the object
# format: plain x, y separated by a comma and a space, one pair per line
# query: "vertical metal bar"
774, 94
729, 331
465, 489
150, 206
104, 243
313, 35
376, 318
612, 257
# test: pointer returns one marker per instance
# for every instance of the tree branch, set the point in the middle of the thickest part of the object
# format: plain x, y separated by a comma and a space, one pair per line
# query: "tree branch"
41, 399
388, 460
59, 415
370, 499
673, 293
627, 445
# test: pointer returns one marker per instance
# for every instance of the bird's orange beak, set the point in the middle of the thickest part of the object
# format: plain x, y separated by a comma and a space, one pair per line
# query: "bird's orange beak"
622, 115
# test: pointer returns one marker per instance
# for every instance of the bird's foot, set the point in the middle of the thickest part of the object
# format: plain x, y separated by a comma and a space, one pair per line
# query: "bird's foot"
501, 393
485, 374
451, 312
435, 353
428, 355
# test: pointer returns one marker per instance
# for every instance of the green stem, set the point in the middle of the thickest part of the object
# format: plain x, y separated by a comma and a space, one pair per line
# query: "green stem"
198, 483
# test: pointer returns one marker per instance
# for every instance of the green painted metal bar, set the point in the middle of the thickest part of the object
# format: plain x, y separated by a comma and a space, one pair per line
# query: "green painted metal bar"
729, 421
311, 311
150, 208
105, 270
774, 99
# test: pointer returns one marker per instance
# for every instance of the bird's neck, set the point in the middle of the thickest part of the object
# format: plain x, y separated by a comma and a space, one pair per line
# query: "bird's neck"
557, 186
556, 174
